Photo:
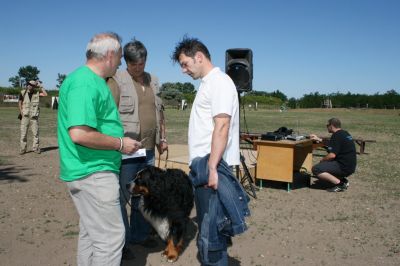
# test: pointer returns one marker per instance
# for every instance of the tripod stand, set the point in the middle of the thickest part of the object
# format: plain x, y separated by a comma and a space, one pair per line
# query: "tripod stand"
245, 179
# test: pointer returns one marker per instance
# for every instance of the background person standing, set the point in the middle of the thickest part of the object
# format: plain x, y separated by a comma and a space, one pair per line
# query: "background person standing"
29, 109
135, 92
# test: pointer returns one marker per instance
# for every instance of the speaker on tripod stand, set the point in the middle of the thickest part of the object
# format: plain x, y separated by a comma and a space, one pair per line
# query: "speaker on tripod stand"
239, 67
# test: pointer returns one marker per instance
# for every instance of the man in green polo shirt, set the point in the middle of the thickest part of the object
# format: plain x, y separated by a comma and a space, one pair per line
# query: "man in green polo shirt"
90, 138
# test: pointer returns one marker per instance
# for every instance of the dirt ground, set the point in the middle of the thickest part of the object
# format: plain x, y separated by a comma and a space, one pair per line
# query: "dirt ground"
307, 226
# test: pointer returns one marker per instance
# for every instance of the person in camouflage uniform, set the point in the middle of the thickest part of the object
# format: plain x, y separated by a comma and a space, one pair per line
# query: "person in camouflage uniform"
29, 109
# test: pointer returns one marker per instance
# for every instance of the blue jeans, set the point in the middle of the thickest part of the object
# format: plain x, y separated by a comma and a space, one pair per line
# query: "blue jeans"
137, 229
217, 250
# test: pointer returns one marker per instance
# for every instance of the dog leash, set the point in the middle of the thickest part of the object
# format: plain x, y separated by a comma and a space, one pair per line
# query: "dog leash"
123, 194
166, 159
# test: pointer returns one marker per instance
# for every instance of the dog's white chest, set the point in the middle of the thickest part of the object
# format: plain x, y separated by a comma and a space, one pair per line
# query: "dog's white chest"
161, 225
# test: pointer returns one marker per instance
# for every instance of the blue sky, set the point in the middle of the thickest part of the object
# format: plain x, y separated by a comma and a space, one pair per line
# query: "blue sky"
298, 46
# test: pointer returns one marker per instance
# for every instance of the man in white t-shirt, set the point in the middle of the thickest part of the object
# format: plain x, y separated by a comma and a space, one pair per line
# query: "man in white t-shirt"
213, 124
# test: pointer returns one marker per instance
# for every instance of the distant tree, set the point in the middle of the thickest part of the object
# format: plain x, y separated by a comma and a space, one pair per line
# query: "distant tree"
292, 103
258, 93
276, 94
173, 93
312, 100
25, 74
167, 86
280, 95
15, 81
186, 87
60, 80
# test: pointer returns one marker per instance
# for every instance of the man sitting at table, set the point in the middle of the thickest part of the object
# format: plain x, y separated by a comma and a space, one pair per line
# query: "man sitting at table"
340, 162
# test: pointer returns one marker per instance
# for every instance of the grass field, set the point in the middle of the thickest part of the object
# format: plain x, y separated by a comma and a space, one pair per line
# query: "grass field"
381, 165
304, 227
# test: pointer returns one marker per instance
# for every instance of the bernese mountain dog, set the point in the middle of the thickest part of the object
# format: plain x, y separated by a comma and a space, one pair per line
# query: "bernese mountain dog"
166, 202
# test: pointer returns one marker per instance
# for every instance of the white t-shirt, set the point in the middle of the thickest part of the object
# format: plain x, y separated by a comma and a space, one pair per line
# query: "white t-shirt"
216, 95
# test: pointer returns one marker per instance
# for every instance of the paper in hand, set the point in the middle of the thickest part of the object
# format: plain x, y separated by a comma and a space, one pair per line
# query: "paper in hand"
139, 153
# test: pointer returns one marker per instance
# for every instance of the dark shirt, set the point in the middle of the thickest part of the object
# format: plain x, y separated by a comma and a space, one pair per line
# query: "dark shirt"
342, 144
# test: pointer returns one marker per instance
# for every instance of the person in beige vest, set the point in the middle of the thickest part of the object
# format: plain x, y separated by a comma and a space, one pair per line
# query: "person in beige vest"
29, 109
141, 111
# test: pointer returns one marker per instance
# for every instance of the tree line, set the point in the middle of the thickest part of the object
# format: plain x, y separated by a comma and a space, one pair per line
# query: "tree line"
27, 73
173, 93
387, 100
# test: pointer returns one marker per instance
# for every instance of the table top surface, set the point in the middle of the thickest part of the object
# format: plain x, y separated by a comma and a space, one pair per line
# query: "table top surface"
283, 142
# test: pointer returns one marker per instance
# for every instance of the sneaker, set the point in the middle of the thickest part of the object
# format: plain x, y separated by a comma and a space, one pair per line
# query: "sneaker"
345, 182
22, 152
127, 254
338, 188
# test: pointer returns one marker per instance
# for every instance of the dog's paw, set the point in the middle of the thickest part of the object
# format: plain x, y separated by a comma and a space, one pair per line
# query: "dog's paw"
170, 257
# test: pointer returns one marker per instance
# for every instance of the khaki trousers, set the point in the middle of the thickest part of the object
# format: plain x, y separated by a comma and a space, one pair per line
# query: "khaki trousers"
26, 121
101, 229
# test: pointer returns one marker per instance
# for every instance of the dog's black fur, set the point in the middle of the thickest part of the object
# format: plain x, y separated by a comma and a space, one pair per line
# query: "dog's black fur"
168, 195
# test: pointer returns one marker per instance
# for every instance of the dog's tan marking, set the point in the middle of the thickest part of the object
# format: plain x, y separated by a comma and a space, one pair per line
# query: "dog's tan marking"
170, 251
140, 190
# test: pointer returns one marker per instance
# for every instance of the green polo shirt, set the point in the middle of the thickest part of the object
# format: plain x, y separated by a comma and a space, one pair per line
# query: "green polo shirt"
86, 100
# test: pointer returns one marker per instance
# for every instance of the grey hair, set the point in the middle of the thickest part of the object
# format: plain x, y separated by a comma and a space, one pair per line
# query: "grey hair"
101, 43
134, 51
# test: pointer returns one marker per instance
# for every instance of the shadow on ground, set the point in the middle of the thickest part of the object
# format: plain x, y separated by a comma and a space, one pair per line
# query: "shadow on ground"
300, 180
11, 173
50, 148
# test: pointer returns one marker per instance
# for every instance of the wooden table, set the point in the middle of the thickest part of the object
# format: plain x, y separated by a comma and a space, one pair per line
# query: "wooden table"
278, 160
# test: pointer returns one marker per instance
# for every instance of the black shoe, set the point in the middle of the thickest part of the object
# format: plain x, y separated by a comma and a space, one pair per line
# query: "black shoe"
338, 188
229, 242
127, 254
345, 182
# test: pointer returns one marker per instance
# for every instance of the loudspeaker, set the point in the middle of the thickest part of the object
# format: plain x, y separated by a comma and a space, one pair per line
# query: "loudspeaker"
239, 66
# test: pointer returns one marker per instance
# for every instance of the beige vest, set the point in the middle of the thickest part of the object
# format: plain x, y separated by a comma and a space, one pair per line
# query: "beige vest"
30, 107
128, 104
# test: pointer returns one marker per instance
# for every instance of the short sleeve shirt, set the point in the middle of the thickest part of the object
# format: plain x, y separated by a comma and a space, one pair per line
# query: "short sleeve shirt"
86, 100
342, 145
216, 95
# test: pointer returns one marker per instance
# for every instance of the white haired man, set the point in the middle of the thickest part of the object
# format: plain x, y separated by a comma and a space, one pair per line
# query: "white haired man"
90, 138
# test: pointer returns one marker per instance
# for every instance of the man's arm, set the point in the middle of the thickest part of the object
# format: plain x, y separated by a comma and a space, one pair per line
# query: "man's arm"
89, 137
20, 105
21, 101
315, 138
329, 157
218, 145
43, 92
163, 145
